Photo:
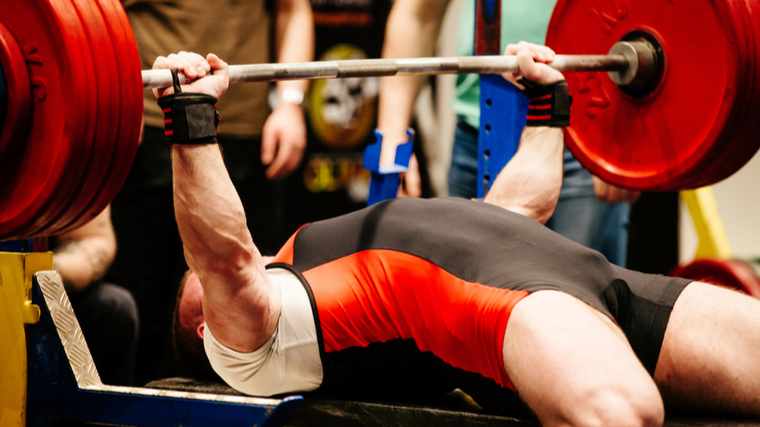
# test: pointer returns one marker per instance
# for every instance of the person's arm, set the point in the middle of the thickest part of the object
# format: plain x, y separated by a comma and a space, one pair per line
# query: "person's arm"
83, 256
530, 183
240, 305
411, 32
283, 140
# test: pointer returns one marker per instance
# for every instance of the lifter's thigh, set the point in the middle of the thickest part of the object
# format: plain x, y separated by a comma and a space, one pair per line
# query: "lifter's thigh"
710, 358
573, 366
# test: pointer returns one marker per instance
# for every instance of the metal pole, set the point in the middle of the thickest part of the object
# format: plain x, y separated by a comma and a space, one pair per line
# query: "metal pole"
394, 67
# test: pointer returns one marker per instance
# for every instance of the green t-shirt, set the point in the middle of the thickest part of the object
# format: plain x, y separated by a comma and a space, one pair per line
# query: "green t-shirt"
520, 20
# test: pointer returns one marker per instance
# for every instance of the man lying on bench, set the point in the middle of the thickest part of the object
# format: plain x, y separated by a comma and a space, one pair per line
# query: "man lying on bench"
413, 297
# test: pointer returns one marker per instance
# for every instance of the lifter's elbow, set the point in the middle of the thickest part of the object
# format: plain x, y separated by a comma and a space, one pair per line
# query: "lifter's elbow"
226, 257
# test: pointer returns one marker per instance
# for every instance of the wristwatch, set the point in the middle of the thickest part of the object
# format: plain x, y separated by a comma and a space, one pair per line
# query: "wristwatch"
289, 94
292, 95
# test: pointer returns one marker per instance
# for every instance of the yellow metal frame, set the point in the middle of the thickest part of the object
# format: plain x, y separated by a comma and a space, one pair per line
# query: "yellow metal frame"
16, 310
713, 240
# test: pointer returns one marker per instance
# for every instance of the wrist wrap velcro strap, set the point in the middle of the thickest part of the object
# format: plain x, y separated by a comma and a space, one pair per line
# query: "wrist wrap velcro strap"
189, 118
549, 104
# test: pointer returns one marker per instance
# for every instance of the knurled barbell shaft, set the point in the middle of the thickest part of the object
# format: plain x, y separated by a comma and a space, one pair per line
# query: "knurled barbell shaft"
394, 67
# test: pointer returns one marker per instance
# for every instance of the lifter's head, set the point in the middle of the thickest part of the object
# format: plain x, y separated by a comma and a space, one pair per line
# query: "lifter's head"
187, 331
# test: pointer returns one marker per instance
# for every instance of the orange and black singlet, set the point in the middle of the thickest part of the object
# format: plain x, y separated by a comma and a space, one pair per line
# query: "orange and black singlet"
412, 297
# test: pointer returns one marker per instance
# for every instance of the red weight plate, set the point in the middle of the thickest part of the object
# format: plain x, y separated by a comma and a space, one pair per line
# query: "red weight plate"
735, 274
655, 140
747, 272
67, 199
753, 111
131, 109
722, 155
49, 35
739, 146
107, 83
15, 126
65, 196
749, 124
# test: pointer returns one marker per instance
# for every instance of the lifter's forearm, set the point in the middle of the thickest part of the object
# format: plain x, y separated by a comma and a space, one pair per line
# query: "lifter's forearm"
530, 183
209, 213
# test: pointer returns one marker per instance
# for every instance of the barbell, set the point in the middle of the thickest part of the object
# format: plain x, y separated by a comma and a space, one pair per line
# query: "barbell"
671, 105
621, 62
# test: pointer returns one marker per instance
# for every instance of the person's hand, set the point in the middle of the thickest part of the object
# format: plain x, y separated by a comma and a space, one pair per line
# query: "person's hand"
532, 60
411, 182
392, 138
210, 75
283, 140
609, 193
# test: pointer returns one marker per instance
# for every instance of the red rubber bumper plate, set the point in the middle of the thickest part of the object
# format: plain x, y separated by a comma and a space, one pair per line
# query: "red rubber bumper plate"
660, 139
732, 273
50, 37
16, 123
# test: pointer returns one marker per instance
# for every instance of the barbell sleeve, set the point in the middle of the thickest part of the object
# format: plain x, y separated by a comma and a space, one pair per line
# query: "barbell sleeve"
395, 67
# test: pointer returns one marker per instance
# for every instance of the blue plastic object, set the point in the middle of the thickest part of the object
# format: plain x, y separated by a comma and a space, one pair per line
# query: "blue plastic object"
24, 245
386, 179
503, 115
54, 398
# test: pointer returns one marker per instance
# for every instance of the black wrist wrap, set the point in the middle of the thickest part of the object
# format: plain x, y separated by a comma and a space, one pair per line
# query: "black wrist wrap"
189, 118
549, 104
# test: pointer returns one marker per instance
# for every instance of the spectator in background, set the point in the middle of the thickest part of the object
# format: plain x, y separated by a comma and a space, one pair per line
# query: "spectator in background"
259, 147
341, 114
590, 211
106, 313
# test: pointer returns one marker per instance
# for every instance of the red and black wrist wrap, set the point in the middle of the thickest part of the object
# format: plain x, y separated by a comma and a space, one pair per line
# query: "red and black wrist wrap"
189, 118
549, 104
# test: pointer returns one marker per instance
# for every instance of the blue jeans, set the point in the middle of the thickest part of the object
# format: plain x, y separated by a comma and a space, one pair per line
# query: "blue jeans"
579, 216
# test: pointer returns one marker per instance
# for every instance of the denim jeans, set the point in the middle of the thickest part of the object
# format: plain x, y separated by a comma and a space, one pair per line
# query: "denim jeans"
579, 216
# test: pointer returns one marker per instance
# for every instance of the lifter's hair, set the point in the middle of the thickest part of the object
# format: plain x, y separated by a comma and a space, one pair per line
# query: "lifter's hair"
187, 345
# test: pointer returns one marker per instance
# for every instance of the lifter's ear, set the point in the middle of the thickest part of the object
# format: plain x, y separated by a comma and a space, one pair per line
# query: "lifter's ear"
200, 330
